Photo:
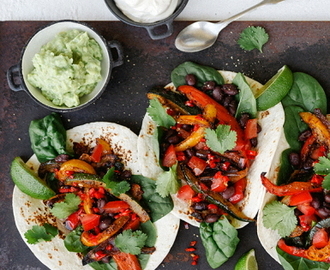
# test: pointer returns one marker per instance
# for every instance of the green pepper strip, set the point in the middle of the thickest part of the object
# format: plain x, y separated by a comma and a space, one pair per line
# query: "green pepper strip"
210, 196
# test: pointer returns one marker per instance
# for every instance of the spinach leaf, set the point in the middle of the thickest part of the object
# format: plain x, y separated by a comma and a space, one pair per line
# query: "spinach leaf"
158, 206
72, 241
219, 240
286, 168
307, 93
202, 73
290, 262
48, 137
293, 126
246, 100
104, 266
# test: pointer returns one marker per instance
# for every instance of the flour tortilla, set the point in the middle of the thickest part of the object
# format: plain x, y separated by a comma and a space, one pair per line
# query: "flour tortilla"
267, 237
29, 211
271, 122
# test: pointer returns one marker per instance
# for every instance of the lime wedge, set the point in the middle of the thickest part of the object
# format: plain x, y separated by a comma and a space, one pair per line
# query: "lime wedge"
247, 261
275, 89
28, 182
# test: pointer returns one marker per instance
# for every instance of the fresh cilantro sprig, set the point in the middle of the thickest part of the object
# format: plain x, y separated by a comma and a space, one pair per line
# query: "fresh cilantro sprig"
279, 217
159, 114
117, 187
131, 241
221, 139
67, 207
253, 37
167, 182
42, 233
323, 168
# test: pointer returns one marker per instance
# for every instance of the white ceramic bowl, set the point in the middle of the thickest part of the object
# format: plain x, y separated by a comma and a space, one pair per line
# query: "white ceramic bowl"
45, 35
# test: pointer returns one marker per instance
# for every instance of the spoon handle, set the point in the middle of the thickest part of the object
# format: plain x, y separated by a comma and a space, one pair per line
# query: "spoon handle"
225, 22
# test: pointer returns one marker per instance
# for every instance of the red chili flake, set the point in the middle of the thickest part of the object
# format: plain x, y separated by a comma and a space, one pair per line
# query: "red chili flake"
212, 206
193, 243
69, 172
194, 259
109, 247
189, 103
190, 249
196, 199
317, 179
180, 156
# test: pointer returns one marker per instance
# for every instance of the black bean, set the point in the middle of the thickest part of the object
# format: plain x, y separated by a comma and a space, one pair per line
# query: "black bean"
190, 79
294, 159
254, 142
324, 212
174, 139
190, 152
211, 218
316, 202
229, 191
217, 93
105, 223
327, 198
209, 85
227, 100
243, 119
202, 154
62, 158
200, 206
304, 135
232, 106
230, 89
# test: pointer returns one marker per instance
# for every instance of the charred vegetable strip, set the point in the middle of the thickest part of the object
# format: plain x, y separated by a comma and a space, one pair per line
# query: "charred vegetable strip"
90, 240
211, 196
192, 120
289, 189
318, 128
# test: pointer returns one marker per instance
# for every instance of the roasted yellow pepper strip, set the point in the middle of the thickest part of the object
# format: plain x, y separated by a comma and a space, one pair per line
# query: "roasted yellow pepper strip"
192, 120
74, 165
193, 139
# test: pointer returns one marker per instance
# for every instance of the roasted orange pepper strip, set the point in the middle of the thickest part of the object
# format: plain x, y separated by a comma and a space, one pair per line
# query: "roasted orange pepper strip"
192, 120
318, 128
202, 100
289, 189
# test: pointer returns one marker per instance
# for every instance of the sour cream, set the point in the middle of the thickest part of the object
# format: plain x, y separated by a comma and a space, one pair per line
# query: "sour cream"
147, 11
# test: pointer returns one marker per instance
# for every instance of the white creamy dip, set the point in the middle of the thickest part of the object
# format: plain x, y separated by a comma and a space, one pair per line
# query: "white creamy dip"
147, 11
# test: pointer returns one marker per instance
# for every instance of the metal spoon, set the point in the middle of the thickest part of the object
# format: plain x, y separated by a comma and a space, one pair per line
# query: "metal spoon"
201, 35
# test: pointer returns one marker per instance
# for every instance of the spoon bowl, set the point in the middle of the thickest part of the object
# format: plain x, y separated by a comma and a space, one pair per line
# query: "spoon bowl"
201, 35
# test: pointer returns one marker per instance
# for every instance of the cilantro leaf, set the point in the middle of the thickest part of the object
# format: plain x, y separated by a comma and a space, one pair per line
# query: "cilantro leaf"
131, 241
159, 114
41, 233
67, 207
167, 182
280, 217
221, 139
116, 187
253, 37
323, 168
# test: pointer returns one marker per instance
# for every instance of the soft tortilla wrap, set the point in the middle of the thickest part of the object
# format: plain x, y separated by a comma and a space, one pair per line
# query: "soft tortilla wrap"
29, 211
271, 122
267, 237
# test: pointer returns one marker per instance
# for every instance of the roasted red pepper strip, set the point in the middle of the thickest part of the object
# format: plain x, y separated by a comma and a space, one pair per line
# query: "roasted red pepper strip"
289, 189
90, 240
202, 100
127, 261
300, 252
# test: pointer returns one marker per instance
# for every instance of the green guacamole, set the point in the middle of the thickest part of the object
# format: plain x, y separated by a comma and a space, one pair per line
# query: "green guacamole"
67, 68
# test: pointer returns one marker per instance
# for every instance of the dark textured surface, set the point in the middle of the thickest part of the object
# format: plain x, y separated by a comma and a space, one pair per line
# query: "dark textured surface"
301, 45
